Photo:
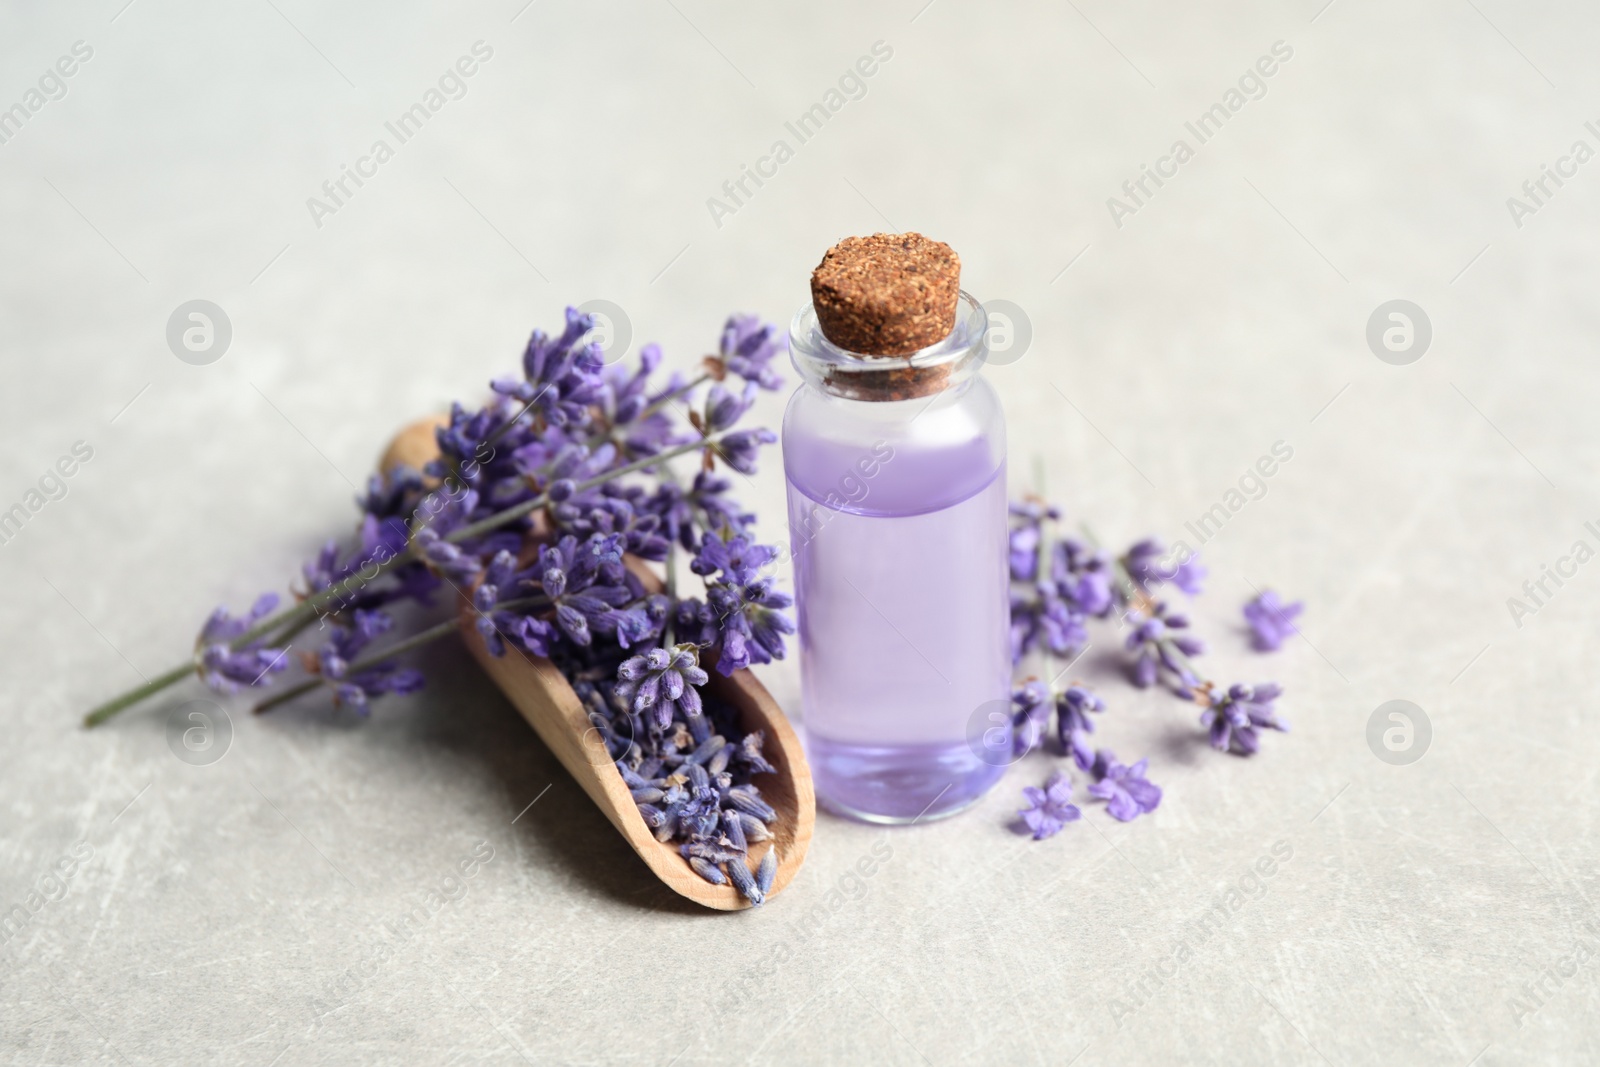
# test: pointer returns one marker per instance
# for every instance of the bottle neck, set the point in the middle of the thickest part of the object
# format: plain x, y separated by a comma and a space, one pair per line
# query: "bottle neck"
949, 364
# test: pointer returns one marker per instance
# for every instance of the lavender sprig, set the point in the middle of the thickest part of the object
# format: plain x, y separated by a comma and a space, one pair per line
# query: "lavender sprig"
560, 440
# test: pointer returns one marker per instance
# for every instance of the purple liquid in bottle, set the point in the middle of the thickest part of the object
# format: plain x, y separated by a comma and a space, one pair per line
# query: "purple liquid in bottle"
898, 525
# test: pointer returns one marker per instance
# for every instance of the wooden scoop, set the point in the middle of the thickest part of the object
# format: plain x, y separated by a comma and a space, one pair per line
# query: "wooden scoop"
544, 698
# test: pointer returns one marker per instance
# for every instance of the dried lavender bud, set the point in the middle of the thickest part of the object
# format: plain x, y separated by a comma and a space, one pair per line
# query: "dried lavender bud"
754, 829
709, 851
653, 817
669, 823
746, 799
739, 873
707, 870
732, 832
750, 753
707, 749
648, 794
698, 819
767, 870
719, 760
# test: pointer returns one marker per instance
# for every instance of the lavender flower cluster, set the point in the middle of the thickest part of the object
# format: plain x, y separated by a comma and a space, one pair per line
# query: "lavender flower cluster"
572, 459
1058, 583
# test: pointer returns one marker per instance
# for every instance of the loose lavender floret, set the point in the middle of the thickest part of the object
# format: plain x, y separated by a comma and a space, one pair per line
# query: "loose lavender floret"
766, 871
1271, 620
1130, 795
1049, 808
1235, 716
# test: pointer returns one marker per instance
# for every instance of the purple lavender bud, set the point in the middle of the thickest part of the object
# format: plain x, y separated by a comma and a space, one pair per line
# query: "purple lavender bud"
767, 871
750, 753
742, 880
754, 829
738, 450
707, 851
706, 750
707, 870
746, 799
733, 832
1271, 620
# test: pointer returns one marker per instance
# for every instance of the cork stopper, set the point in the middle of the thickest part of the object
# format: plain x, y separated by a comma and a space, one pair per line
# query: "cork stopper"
887, 295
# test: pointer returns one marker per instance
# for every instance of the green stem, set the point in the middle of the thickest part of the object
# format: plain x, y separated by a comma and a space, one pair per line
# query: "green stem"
666, 398
527, 507
433, 633
133, 696
672, 593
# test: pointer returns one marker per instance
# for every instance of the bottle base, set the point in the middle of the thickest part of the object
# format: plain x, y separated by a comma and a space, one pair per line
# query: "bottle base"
897, 785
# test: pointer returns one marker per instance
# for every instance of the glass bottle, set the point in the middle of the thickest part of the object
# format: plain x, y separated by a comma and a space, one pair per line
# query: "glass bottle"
898, 526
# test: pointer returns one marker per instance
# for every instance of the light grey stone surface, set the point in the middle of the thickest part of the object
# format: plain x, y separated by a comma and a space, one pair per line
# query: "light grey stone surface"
246, 911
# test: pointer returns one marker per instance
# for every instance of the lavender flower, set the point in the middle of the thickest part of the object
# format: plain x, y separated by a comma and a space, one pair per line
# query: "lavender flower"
1234, 717
1050, 808
1030, 717
1073, 725
1158, 646
227, 669
662, 682
738, 450
1056, 586
561, 378
355, 688
748, 347
724, 409
1026, 537
1271, 620
1190, 575
747, 609
1130, 795
1145, 566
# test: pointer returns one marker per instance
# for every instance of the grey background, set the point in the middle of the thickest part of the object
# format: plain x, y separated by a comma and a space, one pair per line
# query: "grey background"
221, 903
